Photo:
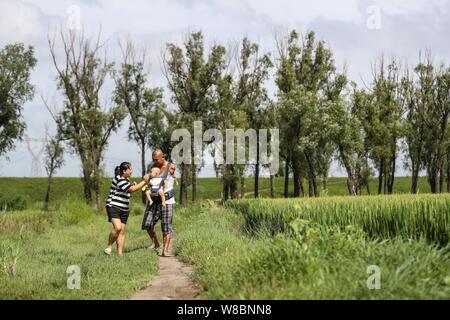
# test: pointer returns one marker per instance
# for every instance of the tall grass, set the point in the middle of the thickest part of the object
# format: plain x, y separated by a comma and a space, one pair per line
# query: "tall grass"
314, 262
410, 216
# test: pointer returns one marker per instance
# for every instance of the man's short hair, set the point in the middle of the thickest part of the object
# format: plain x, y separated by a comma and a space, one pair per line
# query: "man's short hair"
157, 152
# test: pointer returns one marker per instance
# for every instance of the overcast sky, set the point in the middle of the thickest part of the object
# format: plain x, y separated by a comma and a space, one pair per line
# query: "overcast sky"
357, 32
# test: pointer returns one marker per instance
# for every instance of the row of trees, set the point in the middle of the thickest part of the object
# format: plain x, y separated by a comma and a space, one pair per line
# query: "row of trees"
320, 113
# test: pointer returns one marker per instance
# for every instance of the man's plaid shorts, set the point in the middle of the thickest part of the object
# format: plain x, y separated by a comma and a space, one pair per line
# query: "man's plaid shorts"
157, 212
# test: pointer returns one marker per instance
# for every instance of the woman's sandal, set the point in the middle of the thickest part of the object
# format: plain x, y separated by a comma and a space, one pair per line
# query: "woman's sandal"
153, 247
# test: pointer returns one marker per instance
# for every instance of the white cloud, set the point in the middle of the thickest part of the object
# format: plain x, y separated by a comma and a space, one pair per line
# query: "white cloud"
19, 22
407, 26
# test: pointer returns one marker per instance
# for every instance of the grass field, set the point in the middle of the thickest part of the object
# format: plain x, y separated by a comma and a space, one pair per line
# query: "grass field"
309, 248
36, 248
313, 261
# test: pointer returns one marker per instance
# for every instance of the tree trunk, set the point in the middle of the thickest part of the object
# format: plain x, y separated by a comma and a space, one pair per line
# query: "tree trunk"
257, 179
448, 170
392, 176
194, 174
310, 188
315, 188
226, 189
433, 179
302, 190
233, 184
415, 177
87, 184
242, 186
380, 176
194, 181
97, 184
216, 169
47, 195
183, 184
441, 178
271, 186
351, 182
385, 181
257, 168
312, 180
296, 177
286, 178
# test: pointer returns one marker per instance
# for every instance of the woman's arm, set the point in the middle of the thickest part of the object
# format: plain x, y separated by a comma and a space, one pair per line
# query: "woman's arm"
140, 185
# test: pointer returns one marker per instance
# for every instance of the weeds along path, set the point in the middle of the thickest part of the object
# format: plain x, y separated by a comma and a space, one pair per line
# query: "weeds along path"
173, 282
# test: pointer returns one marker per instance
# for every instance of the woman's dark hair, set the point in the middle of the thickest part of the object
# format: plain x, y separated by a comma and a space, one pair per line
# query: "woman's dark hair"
120, 169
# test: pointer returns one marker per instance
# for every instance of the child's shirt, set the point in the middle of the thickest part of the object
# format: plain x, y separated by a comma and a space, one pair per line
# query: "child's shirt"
155, 182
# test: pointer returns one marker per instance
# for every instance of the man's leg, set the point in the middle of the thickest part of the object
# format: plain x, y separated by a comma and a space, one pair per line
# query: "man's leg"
155, 216
152, 234
113, 236
121, 239
167, 229
166, 243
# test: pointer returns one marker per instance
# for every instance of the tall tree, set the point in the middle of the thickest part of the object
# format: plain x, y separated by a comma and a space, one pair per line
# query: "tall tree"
308, 86
386, 121
427, 94
144, 104
351, 141
191, 77
54, 159
16, 64
251, 96
84, 121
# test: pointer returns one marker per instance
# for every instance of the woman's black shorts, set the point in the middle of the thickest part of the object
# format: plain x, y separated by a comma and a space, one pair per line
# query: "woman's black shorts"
116, 213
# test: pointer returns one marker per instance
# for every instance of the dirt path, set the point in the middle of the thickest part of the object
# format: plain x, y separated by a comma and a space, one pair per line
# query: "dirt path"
172, 283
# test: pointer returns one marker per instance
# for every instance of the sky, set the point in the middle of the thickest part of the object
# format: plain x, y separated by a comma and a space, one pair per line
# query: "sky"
357, 31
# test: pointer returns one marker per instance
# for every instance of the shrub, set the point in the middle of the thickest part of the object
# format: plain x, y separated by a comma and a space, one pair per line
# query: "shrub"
74, 211
13, 202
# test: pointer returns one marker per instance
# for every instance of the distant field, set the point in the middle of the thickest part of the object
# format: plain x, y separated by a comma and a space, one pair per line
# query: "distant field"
33, 189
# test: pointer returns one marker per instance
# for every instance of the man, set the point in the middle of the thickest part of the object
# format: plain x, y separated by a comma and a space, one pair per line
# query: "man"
157, 212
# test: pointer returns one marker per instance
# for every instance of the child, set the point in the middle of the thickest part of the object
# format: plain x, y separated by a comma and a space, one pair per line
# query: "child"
172, 169
155, 186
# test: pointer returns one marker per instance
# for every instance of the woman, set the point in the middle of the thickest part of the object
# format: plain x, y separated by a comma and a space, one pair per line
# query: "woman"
118, 203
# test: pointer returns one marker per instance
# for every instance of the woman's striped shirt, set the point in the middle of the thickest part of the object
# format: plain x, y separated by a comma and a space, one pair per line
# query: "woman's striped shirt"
119, 196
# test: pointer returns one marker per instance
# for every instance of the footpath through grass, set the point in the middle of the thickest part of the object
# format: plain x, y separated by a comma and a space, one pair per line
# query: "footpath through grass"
311, 261
36, 248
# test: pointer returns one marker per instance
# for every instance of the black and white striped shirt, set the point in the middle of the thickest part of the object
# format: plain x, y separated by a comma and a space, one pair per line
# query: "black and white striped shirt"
119, 196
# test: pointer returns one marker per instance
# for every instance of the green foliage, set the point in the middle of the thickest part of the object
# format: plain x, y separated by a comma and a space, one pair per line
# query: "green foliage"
308, 88
16, 64
84, 122
13, 202
73, 211
145, 105
407, 216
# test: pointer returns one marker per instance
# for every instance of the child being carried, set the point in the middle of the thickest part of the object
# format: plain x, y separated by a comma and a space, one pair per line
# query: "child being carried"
156, 187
